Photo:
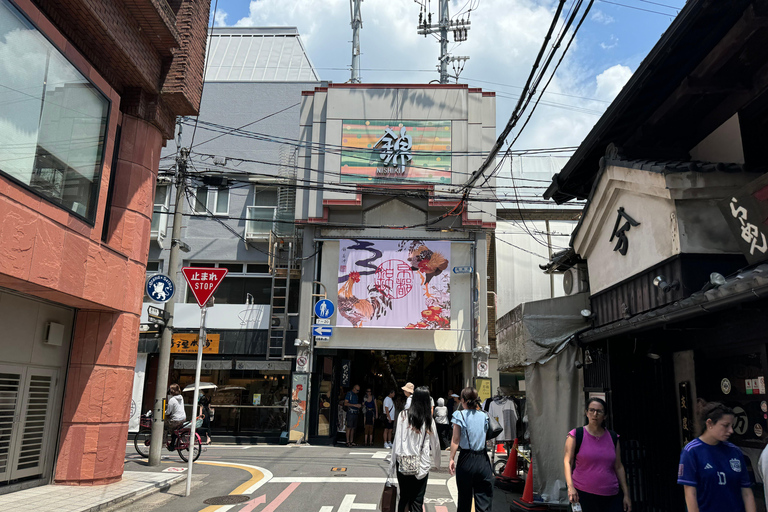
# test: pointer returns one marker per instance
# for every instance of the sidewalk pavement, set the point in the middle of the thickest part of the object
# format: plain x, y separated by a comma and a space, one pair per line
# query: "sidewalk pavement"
68, 498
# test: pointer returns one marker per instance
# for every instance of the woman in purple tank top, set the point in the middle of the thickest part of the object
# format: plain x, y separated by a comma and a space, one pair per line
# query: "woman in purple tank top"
593, 470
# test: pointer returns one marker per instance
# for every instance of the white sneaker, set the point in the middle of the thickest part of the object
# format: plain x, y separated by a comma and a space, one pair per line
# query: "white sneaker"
387, 445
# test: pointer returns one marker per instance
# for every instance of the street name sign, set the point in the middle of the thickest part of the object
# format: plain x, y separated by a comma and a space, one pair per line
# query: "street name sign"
203, 282
466, 269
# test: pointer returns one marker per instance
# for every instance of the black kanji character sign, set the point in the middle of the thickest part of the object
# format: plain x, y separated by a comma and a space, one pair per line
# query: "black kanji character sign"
621, 232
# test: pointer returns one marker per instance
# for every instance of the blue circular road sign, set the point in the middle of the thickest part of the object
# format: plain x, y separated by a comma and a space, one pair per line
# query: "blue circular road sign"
160, 288
324, 308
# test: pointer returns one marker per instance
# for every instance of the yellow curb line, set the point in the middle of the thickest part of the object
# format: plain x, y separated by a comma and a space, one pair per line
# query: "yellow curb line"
257, 477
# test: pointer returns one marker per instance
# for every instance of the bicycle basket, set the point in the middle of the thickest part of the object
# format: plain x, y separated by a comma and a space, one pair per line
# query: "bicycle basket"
198, 424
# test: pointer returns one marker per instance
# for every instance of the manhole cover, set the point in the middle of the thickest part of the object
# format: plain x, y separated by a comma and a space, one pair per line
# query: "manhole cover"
232, 499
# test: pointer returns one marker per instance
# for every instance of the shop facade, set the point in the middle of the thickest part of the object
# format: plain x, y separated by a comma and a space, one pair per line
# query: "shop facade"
672, 236
410, 302
80, 138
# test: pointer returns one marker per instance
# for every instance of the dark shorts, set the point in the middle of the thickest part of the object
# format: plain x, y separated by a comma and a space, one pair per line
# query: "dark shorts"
389, 425
351, 419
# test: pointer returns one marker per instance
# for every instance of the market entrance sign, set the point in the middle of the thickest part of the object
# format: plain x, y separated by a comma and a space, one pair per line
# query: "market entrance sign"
409, 151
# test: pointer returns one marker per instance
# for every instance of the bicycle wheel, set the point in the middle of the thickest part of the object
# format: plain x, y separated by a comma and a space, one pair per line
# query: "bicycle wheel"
141, 442
183, 447
498, 467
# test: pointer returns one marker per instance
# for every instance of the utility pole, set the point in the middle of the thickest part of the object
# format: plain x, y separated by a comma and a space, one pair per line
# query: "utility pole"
357, 24
459, 28
164, 360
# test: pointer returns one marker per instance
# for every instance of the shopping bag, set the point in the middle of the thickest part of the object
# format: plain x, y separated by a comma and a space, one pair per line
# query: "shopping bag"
388, 498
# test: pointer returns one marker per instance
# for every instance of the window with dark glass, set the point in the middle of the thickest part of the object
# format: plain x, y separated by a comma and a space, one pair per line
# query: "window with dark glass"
53, 121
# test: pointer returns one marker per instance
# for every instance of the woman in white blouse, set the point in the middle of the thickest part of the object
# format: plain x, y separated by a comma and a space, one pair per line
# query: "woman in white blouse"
415, 450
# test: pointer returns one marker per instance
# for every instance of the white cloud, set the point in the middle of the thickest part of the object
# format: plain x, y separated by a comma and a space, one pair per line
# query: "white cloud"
504, 38
611, 81
220, 18
614, 42
601, 17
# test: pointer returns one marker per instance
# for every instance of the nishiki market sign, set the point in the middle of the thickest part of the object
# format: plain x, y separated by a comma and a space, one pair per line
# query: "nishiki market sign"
402, 284
395, 152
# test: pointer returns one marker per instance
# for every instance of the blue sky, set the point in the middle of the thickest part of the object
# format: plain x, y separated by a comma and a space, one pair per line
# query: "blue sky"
502, 44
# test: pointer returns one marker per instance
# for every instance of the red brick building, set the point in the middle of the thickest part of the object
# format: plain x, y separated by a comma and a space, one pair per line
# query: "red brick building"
89, 91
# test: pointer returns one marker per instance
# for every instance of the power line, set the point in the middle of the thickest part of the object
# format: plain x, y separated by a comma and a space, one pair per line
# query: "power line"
637, 8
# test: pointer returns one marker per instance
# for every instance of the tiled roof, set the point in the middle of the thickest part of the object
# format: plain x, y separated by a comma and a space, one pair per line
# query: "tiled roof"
749, 284
671, 166
257, 54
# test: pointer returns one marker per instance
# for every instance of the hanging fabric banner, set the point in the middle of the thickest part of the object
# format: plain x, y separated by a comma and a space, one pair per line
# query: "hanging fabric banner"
401, 284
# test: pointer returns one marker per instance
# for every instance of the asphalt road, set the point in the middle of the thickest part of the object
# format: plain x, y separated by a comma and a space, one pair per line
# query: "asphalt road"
289, 478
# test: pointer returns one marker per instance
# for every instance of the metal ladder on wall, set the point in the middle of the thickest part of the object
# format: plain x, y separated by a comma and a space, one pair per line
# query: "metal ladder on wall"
281, 266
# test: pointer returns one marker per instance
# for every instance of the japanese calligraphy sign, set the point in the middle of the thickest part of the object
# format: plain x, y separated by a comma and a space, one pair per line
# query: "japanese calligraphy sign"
747, 216
203, 281
396, 151
401, 284
186, 343
620, 231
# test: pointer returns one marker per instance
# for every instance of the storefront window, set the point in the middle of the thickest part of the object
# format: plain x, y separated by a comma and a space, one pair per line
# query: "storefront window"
53, 121
245, 401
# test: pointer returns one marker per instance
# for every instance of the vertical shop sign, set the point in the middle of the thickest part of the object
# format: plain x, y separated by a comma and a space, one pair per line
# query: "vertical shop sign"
483, 387
138, 392
686, 412
345, 369
298, 407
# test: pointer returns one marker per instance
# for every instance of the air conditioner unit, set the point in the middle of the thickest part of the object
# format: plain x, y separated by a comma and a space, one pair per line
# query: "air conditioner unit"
575, 280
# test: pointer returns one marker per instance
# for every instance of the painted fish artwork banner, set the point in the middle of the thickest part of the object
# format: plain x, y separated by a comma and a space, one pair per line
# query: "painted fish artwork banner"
374, 151
400, 284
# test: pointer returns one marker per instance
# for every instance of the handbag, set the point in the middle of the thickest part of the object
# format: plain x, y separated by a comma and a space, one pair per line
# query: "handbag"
494, 428
408, 465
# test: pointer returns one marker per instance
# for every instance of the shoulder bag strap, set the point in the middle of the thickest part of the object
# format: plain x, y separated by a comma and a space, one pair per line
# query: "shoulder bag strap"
579, 439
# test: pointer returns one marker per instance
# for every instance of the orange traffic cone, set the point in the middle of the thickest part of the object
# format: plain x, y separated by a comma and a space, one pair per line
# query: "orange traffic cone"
500, 449
510, 470
526, 503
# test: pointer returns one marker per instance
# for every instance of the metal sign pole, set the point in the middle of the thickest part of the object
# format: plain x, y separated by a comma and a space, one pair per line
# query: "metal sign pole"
195, 397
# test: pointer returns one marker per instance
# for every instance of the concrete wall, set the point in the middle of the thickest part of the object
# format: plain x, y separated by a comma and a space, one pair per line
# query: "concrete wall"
677, 213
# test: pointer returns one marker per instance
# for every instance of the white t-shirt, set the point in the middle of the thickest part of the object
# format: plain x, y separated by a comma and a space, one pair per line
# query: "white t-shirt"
389, 404
408, 403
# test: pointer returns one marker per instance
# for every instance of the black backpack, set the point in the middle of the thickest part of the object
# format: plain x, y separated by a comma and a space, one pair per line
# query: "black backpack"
580, 438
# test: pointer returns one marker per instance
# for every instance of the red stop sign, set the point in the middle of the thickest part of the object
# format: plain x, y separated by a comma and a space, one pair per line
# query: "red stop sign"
203, 281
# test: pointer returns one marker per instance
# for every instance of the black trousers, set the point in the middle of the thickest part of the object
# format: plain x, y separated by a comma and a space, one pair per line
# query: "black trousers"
411, 492
597, 503
474, 478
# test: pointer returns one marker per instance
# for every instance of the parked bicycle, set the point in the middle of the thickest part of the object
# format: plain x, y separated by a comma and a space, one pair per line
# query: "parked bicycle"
142, 438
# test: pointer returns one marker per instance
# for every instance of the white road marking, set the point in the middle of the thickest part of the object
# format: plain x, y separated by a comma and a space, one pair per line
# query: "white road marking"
326, 508
453, 489
337, 480
359, 453
381, 455
348, 503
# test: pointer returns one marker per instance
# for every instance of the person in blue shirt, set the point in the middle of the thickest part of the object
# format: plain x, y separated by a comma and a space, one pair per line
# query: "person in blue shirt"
474, 475
712, 470
353, 405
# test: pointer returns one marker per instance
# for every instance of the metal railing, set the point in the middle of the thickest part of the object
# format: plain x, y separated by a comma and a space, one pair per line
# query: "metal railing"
259, 222
159, 223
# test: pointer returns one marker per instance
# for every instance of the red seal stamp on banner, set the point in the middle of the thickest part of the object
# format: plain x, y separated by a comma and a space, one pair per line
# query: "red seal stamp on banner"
394, 278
